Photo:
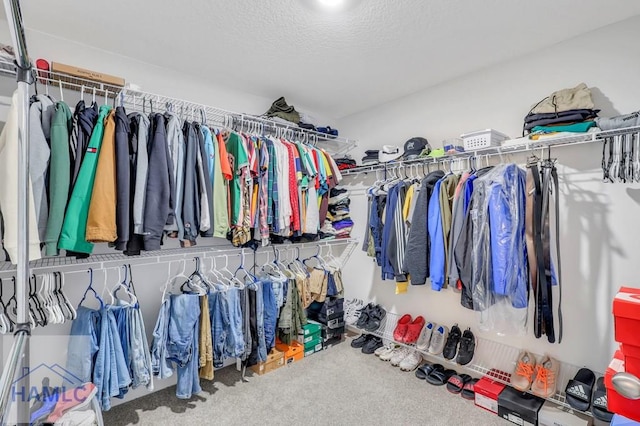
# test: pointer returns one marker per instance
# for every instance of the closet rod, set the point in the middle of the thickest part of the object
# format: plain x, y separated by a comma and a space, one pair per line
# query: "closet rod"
515, 146
139, 101
153, 258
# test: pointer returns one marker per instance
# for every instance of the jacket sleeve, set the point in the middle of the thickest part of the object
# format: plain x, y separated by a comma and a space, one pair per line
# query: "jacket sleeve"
436, 258
415, 259
123, 180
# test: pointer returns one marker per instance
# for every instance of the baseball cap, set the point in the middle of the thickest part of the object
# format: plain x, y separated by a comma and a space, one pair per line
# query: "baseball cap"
389, 153
414, 146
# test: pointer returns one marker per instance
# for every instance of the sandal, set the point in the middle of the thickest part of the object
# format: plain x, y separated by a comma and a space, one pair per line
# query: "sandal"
376, 316
468, 391
424, 370
413, 330
456, 383
599, 402
579, 389
439, 377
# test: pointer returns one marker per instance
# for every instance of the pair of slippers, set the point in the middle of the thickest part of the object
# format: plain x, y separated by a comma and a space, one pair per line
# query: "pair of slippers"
437, 375
583, 391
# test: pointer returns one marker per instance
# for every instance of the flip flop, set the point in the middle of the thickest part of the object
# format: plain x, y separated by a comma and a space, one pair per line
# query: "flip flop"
439, 377
468, 391
456, 383
424, 370
579, 389
599, 402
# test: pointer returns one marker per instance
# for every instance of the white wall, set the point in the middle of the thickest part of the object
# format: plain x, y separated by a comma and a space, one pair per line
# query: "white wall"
599, 238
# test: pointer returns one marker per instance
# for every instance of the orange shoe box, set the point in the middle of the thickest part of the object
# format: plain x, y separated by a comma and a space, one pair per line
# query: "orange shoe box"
626, 311
616, 402
293, 352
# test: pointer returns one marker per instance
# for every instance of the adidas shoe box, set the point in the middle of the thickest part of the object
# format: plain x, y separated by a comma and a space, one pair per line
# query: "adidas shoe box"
518, 407
487, 391
554, 415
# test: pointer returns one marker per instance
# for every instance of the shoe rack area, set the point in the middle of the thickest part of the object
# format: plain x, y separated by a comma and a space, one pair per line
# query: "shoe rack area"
490, 358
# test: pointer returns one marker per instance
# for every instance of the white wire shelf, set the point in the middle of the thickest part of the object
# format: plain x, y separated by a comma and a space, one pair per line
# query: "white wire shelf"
51, 81
514, 146
144, 101
490, 358
100, 261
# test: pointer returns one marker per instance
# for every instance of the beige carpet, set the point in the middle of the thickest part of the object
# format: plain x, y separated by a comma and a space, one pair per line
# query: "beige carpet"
340, 386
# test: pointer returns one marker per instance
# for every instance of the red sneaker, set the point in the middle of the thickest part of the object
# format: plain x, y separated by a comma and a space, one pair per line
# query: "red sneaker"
401, 328
413, 330
73, 399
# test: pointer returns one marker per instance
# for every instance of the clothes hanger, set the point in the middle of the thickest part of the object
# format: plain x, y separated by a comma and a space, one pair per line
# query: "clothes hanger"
133, 300
65, 304
232, 278
93, 100
219, 282
5, 322
35, 307
92, 290
61, 94
193, 283
241, 268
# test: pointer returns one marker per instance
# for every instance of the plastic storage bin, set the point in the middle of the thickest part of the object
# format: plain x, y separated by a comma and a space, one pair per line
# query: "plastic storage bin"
482, 139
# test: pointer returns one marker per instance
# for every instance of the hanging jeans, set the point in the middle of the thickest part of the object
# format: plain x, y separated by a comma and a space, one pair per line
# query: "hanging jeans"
219, 325
121, 316
83, 344
182, 342
141, 370
110, 373
234, 347
159, 364
270, 315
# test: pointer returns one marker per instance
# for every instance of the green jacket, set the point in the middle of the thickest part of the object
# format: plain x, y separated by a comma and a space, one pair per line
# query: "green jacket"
59, 175
74, 227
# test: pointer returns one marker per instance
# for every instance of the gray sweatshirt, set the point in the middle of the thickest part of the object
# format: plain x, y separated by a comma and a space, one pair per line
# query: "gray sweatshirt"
142, 167
40, 118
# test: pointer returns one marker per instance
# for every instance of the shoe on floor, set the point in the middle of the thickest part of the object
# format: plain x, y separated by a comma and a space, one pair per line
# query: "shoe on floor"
359, 341
73, 399
386, 356
388, 348
375, 317
467, 347
438, 338
399, 355
401, 328
411, 361
522, 377
451, 346
413, 330
425, 337
544, 384
371, 345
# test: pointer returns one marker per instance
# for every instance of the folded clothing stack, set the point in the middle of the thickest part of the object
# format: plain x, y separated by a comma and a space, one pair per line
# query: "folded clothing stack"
345, 163
371, 157
338, 223
282, 110
567, 110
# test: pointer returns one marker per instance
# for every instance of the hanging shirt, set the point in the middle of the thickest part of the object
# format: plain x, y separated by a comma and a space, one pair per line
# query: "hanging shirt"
220, 191
239, 161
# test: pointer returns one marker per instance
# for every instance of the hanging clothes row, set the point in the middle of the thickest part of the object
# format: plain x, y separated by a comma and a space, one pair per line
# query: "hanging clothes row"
100, 174
108, 346
214, 315
484, 233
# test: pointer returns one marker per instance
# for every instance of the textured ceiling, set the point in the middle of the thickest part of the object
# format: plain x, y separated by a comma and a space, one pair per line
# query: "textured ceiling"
336, 62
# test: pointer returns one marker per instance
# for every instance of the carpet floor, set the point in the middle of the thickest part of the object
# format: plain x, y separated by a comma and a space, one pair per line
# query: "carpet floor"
339, 386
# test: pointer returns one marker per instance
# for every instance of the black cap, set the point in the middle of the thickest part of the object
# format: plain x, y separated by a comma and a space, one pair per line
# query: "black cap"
414, 146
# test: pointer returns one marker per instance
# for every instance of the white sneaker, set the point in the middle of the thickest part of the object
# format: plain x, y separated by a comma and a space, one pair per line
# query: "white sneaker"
411, 362
438, 339
399, 355
386, 349
390, 354
352, 311
425, 337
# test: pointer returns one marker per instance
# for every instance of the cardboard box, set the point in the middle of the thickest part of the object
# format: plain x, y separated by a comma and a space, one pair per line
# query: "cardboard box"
317, 340
619, 420
329, 343
311, 337
311, 328
87, 74
519, 408
626, 311
312, 350
487, 391
554, 415
293, 352
616, 402
275, 360
330, 333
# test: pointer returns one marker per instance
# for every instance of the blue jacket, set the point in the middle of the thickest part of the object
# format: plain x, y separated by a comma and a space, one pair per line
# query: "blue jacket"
436, 236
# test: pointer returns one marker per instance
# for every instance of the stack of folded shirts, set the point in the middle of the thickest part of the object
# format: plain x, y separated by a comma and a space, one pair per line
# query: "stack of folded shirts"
338, 223
370, 157
567, 110
345, 163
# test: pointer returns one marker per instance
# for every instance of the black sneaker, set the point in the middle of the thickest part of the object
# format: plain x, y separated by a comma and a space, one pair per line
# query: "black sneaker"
371, 345
359, 342
451, 347
467, 347
363, 317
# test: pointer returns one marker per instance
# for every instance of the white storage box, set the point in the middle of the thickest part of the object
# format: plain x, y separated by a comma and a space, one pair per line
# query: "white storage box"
482, 139
553, 415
